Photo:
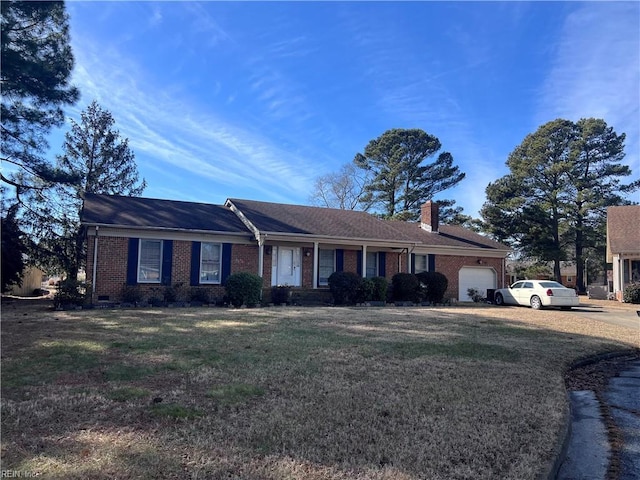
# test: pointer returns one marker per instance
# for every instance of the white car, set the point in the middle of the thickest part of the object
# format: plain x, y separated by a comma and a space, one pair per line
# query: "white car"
538, 294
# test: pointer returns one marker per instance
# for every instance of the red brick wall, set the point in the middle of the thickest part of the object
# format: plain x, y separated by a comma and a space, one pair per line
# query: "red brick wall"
450, 265
112, 264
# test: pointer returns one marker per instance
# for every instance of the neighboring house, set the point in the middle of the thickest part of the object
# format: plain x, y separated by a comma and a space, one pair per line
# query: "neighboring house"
151, 243
31, 281
567, 272
623, 246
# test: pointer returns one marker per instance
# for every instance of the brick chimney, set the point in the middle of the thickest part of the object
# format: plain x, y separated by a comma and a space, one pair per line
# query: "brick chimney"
430, 217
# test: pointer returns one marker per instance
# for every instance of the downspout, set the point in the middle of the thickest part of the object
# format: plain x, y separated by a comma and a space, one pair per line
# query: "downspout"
95, 264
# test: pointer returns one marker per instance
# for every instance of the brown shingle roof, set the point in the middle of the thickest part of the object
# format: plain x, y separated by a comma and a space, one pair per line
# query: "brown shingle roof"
623, 229
153, 213
448, 236
316, 221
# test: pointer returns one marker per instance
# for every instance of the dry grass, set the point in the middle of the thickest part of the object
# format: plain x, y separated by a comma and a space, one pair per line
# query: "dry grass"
329, 393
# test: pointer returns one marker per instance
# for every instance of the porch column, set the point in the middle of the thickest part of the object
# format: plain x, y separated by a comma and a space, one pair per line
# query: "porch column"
364, 261
315, 265
260, 256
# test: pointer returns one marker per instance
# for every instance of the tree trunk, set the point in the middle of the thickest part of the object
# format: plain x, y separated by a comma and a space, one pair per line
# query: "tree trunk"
580, 280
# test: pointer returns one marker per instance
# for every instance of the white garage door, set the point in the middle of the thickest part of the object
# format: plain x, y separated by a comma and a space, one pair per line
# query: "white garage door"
479, 278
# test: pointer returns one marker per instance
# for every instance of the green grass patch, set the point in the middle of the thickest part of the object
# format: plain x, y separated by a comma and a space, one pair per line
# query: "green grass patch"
174, 410
235, 393
44, 364
125, 394
127, 373
468, 350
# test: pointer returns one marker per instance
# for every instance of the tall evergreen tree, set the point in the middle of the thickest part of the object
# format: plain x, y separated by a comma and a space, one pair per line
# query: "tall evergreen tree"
552, 204
36, 67
401, 179
104, 162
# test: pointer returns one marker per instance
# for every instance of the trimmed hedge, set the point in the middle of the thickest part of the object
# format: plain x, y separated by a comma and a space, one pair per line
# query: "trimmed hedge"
406, 287
434, 286
345, 287
243, 288
632, 293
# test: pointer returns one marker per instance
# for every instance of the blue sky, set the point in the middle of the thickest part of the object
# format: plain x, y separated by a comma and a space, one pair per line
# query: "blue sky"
255, 100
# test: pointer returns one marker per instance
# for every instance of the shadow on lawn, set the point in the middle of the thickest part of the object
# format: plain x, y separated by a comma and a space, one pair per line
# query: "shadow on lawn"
94, 384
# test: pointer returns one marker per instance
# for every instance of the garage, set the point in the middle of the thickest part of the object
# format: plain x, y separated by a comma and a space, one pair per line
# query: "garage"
480, 278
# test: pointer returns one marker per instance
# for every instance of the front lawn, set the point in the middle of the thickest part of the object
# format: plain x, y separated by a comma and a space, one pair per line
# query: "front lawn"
318, 393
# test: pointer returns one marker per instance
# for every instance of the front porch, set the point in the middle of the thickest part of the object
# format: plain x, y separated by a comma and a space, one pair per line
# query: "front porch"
626, 271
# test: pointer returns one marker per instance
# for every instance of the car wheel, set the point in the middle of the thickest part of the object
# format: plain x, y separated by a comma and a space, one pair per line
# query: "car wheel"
536, 303
499, 300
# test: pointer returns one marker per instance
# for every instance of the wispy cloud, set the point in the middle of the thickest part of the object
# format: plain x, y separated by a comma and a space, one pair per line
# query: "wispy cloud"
596, 70
187, 138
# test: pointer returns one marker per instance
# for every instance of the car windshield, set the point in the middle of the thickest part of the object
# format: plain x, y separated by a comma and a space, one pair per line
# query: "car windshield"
551, 285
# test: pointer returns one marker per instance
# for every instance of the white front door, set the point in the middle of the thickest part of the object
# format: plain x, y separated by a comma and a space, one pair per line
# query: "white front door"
285, 266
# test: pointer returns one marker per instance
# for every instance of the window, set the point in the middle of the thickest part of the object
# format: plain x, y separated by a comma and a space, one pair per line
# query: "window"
150, 261
210, 262
372, 264
326, 265
421, 263
569, 279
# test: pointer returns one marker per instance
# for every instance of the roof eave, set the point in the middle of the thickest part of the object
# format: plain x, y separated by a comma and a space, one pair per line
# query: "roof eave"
164, 229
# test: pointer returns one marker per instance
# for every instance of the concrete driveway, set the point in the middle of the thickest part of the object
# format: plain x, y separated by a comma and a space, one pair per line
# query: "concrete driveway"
608, 311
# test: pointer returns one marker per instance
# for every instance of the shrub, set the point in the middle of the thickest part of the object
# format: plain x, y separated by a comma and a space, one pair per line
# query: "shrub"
70, 293
174, 293
632, 293
406, 287
380, 288
131, 294
476, 295
434, 286
364, 292
344, 287
280, 294
199, 295
243, 288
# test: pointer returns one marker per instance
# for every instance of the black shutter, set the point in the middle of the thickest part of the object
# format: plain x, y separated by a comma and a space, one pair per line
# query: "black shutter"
339, 260
226, 262
413, 263
382, 267
432, 262
132, 261
167, 257
359, 263
195, 263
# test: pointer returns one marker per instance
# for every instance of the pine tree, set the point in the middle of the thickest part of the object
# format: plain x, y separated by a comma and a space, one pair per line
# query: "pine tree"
36, 67
105, 164
401, 179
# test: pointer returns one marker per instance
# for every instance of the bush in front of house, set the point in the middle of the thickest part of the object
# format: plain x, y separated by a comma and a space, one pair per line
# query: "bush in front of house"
199, 295
406, 287
380, 289
280, 294
632, 293
243, 288
344, 287
71, 293
131, 294
434, 285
